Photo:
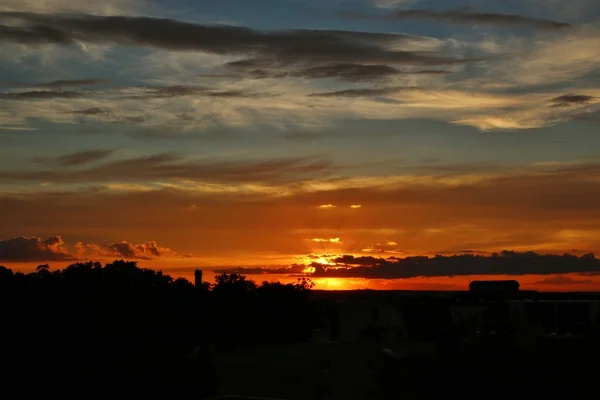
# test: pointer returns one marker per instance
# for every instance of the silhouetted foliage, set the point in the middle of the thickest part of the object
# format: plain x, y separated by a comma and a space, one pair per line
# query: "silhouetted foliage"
121, 328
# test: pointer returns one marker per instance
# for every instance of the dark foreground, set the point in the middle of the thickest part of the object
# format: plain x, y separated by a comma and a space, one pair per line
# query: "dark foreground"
116, 330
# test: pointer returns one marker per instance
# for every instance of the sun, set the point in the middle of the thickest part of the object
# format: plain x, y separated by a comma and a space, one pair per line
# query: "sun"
318, 260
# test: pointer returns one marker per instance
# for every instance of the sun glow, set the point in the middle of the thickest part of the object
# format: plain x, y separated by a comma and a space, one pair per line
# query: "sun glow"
332, 284
317, 260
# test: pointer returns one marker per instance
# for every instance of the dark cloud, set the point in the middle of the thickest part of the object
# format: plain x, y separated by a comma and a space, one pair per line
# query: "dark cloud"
170, 166
75, 159
467, 16
91, 111
283, 47
358, 72
27, 249
34, 249
504, 263
352, 93
42, 95
563, 280
292, 269
146, 251
348, 72
108, 116
183, 90
568, 100
62, 83
34, 35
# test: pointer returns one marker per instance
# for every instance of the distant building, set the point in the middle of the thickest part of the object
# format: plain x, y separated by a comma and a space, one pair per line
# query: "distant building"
563, 318
494, 287
359, 354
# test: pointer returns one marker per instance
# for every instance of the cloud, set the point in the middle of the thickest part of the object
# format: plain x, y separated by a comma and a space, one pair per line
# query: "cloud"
76, 159
350, 72
62, 83
147, 250
332, 240
386, 247
104, 7
563, 280
504, 263
182, 90
355, 206
174, 110
34, 249
28, 249
391, 3
543, 60
90, 111
326, 206
42, 95
279, 47
506, 208
568, 100
347, 72
170, 166
292, 270
467, 16
351, 93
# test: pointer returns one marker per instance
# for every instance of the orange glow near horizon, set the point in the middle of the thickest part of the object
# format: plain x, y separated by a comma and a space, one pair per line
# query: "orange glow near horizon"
543, 283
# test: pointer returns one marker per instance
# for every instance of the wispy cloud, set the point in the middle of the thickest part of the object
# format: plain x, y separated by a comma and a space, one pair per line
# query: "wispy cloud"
61, 83
306, 46
367, 92
469, 16
76, 159
42, 95
568, 100
104, 7
170, 166
54, 248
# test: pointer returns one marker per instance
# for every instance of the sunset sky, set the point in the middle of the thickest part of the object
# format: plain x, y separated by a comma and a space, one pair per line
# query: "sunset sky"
279, 133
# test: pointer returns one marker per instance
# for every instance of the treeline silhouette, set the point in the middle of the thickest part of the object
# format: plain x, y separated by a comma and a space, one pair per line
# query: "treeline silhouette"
120, 329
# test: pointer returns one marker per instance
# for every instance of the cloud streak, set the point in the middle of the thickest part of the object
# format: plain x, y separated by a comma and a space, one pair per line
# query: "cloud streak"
76, 159
569, 100
504, 263
29, 249
34, 249
468, 16
365, 92
170, 166
279, 47
43, 95
62, 83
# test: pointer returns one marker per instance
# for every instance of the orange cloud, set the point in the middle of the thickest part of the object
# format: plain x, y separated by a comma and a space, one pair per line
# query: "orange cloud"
34, 249
331, 240
326, 206
26, 249
356, 206
145, 251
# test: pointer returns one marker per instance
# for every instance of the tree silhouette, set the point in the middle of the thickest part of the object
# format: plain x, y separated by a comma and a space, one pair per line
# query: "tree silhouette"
121, 327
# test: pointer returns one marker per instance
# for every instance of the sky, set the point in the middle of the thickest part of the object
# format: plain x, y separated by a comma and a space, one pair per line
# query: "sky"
289, 137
